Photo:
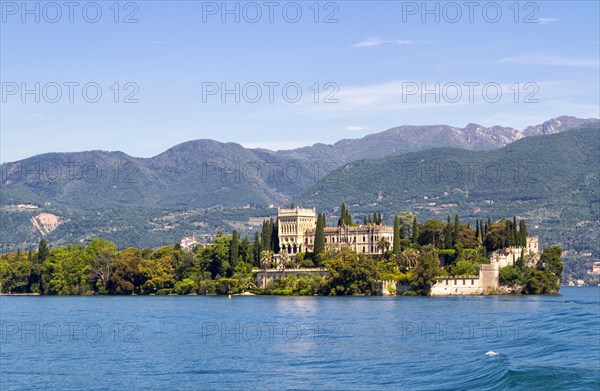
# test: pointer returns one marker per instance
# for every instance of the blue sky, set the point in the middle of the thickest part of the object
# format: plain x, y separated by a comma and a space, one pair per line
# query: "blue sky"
375, 57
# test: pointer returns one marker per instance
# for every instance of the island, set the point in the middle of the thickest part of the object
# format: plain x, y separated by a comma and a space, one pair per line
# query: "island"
296, 253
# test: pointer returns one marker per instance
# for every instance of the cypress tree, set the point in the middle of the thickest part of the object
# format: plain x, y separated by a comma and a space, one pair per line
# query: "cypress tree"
274, 237
477, 228
43, 251
320, 234
257, 249
265, 235
523, 233
341, 219
448, 235
41, 256
364, 220
415, 231
234, 249
369, 219
396, 244
245, 253
515, 233
456, 229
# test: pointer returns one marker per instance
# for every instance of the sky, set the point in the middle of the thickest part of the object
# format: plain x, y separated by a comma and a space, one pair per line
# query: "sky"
142, 76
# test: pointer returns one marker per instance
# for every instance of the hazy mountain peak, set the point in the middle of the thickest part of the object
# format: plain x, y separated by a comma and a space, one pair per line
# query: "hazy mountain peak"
559, 124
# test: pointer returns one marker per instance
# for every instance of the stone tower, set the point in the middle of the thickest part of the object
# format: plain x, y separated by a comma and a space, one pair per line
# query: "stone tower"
292, 227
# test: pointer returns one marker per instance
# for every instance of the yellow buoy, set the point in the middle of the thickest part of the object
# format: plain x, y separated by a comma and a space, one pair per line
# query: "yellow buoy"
230, 295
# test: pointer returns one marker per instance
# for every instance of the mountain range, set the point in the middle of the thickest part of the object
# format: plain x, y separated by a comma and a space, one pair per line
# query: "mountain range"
203, 185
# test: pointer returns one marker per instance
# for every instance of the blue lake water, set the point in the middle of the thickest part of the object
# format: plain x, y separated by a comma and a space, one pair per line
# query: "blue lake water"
195, 342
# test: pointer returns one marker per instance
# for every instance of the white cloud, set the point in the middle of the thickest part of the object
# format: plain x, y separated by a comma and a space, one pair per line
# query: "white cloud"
354, 128
375, 41
535, 59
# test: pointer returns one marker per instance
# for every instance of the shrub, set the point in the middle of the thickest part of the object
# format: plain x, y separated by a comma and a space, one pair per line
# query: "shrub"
307, 263
185, 287
207, 287
511, 275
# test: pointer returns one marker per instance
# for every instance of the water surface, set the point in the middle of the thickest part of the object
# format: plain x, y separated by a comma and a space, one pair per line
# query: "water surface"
196, 342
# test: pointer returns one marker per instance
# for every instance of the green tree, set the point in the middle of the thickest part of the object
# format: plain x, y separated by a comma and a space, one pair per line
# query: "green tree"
409, 258
157, 274
266, 258
397, 235
456, 230
415, 231
426, 272
35, 281
234, 248
522, 233
495, 237
383, 244
101, 254
345, 216
15, 273
351, 273
465, 237
431, 232
320, 235
510, 275
256, 249
463, 268
217, 255
551, 261
43, 251
185, 286
66, 271
125, 278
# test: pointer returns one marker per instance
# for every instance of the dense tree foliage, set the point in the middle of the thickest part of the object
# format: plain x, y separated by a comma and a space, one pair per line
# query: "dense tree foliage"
426, 271
351, 273
225, 265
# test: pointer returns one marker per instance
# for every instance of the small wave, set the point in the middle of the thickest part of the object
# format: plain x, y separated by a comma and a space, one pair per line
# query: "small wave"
491, 353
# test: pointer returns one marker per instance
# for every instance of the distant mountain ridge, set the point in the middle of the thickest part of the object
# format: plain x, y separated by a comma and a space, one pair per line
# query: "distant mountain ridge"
551, 180
202, 182
557, 125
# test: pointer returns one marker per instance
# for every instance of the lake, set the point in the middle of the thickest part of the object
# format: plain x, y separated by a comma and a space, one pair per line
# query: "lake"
395, 343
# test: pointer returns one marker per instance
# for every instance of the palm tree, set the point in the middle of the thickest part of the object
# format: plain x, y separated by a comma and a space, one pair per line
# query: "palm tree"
408, 258
266, 257
383, 244
284, 260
